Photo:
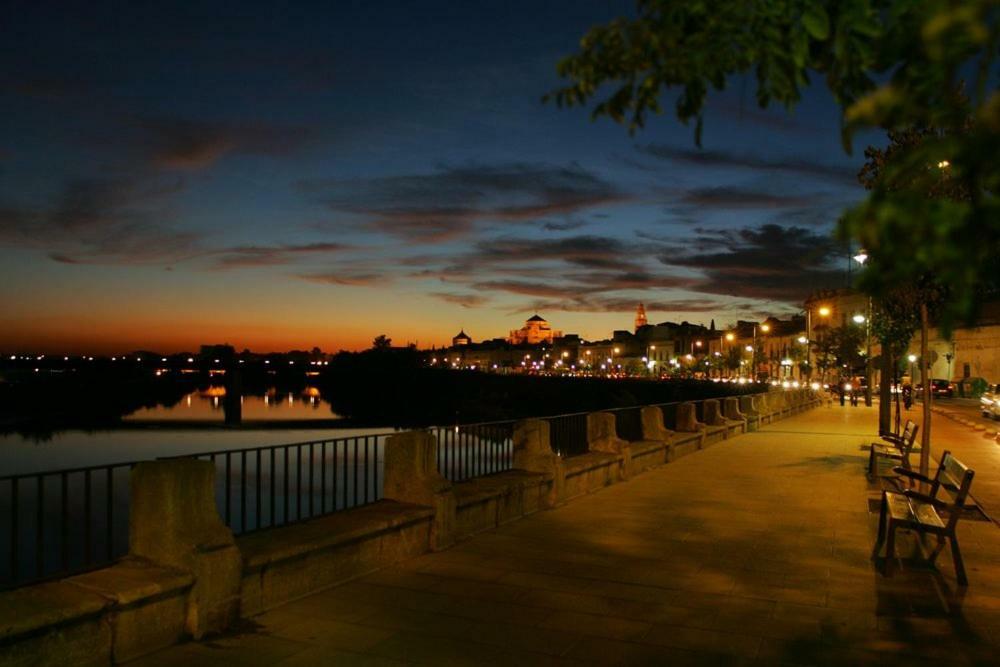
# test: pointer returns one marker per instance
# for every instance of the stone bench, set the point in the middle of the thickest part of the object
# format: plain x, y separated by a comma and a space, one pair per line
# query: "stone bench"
110, 615
486, 502
288, 562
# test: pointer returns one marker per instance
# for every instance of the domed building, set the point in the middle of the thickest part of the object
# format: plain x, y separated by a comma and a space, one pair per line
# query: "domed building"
461, 338
535, 331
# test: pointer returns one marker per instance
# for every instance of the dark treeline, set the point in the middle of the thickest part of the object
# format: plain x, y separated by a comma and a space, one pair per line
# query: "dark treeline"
392, 388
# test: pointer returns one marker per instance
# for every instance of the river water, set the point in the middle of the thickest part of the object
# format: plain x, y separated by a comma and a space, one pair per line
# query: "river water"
194, 424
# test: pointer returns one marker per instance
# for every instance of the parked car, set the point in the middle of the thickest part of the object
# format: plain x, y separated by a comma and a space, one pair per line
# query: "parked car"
939, 388
990, 401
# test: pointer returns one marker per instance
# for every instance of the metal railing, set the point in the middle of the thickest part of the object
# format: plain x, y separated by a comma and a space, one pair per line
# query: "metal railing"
473, 450
61, 522
669, 411
568, 434
628, 423
277, 485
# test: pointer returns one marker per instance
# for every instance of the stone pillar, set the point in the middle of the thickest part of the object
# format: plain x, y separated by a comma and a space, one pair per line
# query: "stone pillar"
776, 399
731, 408
411, 476
602, 436
748, 408
173, 521
533, 453
652, 425
713, 416
687, 419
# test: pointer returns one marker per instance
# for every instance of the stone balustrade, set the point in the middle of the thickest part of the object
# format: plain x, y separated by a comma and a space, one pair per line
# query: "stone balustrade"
187, 576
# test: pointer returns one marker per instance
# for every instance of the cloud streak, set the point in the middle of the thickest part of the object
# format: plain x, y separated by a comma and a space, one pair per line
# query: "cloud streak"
448, 203
766, 262
253, 256
103, 221
834, 174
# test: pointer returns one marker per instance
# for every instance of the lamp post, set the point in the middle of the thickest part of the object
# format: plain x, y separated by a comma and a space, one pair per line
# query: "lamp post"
822, 311
730, 337
764, 328
861, 258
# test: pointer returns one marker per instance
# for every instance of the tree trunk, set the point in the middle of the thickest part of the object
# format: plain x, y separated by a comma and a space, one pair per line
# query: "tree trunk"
925, 439
885, 392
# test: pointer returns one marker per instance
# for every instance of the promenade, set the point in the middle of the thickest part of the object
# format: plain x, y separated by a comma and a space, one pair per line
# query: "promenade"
753, 551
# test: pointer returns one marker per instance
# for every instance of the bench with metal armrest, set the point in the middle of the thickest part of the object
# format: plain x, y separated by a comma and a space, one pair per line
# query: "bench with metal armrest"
899, 448
897, 439
928, 513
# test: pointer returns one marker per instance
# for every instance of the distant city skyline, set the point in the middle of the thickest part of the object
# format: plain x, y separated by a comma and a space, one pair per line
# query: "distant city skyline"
277, 181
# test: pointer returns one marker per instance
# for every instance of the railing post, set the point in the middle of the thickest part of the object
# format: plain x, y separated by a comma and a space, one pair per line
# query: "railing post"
602, 436
731, 411
533, 453
713, 416
411, 476
173, 521
749, 410
652, 425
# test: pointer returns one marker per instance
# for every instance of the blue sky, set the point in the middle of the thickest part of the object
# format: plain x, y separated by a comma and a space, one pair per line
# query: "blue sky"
285, 175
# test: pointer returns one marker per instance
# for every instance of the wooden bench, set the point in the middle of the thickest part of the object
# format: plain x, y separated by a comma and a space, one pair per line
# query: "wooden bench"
899, 448
927, 514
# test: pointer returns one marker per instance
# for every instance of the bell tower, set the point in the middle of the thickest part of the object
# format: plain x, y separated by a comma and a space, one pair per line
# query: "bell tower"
640, 316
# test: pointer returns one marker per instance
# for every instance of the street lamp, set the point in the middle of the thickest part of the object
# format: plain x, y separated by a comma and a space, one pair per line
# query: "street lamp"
765, 327
861, 258
912, 359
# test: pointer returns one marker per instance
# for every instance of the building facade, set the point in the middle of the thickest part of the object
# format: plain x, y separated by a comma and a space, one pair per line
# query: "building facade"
535, 331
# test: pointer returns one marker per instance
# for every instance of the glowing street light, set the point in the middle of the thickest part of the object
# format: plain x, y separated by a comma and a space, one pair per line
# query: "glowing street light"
824, 311
861, 258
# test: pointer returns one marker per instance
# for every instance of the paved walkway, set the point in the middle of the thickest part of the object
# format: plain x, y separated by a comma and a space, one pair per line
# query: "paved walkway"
754, 551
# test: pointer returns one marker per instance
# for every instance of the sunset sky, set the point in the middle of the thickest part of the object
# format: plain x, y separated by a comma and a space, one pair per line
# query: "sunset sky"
281, 176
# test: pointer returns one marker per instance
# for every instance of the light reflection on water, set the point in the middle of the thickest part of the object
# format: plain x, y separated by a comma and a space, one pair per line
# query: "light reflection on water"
209, 405
142, 440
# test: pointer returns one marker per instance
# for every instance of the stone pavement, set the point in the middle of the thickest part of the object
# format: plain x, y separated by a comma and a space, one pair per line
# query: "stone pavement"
753, 551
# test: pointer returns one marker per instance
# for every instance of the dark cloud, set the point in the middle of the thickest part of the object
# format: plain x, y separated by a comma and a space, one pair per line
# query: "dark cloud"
565, 226
346, 278
766, 262
176, 143
448, 203
608, 304
585, 250
837, 174
103, 221
729, 197
464, 300
555, 270
248, 256
574, 285
524, 288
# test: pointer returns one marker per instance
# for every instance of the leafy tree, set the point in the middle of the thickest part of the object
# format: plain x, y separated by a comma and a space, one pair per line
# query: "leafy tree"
734, 355
907, 305
381, 342
889, 64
